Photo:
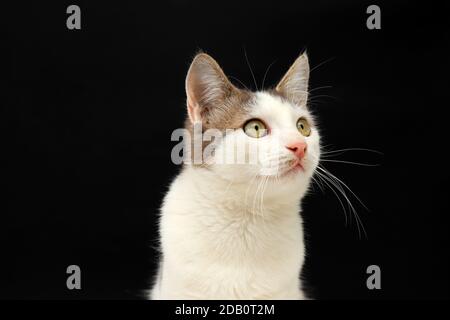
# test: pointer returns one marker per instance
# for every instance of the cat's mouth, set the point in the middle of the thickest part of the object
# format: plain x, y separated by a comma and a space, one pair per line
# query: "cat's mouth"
294, 168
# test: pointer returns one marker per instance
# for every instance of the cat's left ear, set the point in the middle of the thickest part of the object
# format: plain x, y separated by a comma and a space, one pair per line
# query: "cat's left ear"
294, 84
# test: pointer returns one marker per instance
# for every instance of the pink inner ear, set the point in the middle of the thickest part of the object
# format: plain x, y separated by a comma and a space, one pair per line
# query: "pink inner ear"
190, 103
193, 111
190, 112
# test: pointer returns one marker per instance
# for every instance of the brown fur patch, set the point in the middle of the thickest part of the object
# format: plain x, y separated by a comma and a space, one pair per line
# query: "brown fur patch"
231, 113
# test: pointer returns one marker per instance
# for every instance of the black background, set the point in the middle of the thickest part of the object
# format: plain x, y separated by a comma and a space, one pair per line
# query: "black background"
88, 115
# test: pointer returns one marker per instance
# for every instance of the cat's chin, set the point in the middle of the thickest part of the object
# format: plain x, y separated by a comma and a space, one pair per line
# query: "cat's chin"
292, 172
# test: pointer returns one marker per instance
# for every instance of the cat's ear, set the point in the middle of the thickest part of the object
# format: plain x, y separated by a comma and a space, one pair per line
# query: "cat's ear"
294, 84
206, 86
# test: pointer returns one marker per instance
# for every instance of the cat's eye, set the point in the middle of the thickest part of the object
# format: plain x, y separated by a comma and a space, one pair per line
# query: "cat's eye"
303, 127
255, 128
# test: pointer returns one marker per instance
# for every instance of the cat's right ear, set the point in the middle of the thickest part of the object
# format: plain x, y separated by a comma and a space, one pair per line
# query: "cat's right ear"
206, 86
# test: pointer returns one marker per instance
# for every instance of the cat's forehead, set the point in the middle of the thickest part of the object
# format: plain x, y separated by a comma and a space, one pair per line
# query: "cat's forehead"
269, 106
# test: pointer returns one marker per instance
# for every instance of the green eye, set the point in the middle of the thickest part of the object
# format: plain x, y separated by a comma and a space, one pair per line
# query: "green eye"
303, 127
255, 128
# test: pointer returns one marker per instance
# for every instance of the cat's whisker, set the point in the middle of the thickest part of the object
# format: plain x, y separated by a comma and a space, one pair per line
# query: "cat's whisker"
345, 185
248, 188
327, 157
314, 98
350, 205
258, 192
250, 67
319, 88
324, 152
262, 197
339, 184
332, 180
261, 214
255, 196
321, 64
265, 74
237, 79
319, 184
351, 162
319, 176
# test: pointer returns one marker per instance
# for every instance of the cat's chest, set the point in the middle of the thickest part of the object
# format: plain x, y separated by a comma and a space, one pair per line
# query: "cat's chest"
229, 226
240, 235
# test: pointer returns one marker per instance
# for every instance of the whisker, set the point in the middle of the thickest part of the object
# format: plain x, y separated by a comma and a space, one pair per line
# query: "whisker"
327, 158
232, 77
351, 162
341, 182
336, 194
319, 88
254, 197
251, 71
351, 149
265, 74
249, 187
262, 196
359, 224
313, 98
322, 63
319, 184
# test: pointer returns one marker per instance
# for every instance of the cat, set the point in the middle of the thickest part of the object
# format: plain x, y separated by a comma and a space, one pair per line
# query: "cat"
234, 230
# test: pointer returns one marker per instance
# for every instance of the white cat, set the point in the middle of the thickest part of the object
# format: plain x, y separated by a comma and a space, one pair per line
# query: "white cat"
234, 231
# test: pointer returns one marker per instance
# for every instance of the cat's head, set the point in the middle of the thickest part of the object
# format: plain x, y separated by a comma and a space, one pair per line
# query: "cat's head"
246, 135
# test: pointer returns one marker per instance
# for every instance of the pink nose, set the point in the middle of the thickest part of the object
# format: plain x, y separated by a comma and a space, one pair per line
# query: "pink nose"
298, 148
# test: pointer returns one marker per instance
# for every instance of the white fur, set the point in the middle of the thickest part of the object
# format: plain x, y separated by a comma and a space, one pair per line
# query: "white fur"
230, 232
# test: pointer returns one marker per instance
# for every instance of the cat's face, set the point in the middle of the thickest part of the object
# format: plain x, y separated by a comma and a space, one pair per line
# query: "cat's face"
267, 135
